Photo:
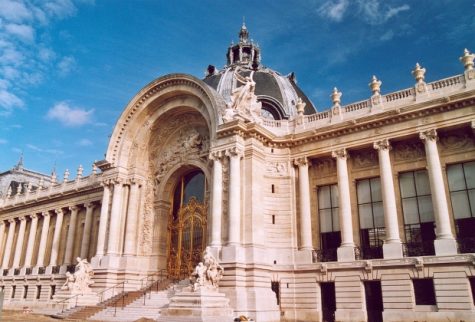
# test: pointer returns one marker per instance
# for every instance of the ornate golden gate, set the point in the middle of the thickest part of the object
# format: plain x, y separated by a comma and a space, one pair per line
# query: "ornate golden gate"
187, 239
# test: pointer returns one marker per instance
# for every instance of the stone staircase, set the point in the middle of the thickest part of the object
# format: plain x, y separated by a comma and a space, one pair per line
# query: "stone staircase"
113, 308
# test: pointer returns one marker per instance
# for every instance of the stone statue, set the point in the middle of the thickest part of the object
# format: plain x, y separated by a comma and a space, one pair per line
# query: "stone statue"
81, 280
207, 274
243, 100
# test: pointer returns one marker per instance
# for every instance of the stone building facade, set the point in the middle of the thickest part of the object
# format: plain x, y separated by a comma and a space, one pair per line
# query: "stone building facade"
355, 213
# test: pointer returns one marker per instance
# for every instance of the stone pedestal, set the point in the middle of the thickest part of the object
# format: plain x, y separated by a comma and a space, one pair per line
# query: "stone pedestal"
67, 299
346, 253
445, 247
393, 250
202, 305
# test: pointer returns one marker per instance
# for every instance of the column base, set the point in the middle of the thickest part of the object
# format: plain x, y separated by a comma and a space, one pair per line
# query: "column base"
393, 250
445, 247
346, 253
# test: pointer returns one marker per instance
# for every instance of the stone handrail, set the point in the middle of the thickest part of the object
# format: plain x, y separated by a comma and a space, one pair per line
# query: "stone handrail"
54, 188
390, 101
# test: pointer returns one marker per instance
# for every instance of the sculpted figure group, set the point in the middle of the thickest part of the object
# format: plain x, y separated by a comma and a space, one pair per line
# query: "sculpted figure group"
81, 280
207, 273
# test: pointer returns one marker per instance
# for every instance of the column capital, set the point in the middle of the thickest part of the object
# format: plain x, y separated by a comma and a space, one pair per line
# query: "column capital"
33, 216
74, 208
91, 204
117, 181
340, 154
106, 183
301, 161
23, 218
11, 220
58, 211
233, 152
382, 145
429, 135
216, 155
137, 181
45, 213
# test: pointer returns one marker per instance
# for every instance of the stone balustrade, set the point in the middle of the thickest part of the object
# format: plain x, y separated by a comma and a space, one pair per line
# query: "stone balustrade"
421, 92
55, 189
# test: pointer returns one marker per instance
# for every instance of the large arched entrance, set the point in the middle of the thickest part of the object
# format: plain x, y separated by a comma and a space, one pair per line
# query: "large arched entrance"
187, 224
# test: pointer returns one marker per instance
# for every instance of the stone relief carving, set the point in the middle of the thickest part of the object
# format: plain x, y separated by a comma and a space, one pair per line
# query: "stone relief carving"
455, 141
243, 100
146, 235
276, 168
187, 144
408, 151
207, 274
364, 159
325, 166
81, 280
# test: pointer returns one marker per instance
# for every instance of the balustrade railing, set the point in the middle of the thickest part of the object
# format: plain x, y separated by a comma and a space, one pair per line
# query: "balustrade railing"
325, 255
424, 248
371, 252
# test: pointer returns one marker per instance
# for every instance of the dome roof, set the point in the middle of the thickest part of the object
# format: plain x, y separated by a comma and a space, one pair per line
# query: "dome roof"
279, 94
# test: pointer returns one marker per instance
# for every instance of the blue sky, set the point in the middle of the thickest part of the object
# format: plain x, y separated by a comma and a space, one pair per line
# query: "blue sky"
68, 68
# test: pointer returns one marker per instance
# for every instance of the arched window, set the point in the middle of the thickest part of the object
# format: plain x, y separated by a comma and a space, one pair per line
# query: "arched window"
190, 185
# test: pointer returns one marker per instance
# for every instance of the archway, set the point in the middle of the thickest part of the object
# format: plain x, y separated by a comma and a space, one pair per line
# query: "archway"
187, 224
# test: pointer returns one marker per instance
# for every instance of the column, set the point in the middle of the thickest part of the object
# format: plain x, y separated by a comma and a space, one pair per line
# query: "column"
56, 237
68, 254
2, 236
304, 203
9, 244
445, 243
130, 247
86, 235
114, 229
101, 234
234, 211
217, 199
392, 247
31, 240
346, 252
19, 243
43, 239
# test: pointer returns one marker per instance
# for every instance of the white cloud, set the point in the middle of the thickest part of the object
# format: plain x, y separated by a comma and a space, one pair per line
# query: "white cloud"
41, 150
334, 10
16, 11
66, 65
69, 116
84, 142
372, 12
60, 8
388, 35
3, 141
9, 101
22, 32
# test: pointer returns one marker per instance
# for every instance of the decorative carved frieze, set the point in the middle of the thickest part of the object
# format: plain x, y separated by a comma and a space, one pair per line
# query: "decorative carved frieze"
456, 140
364, 158
404, 151
277, 168
325, 166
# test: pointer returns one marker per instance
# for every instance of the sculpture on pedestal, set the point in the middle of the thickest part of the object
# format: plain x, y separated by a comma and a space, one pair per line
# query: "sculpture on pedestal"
81, 280
244, 100
207, 273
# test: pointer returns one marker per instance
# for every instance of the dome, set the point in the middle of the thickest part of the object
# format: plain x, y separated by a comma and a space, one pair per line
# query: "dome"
277, 93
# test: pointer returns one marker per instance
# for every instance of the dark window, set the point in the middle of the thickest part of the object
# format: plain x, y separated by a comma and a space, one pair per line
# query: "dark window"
275, 286
461, 178
25, 291
370, 209
13, 291
328, 301
330, 237
418, 213
190, 185
52, 291
472, 287
38, 292
424, 291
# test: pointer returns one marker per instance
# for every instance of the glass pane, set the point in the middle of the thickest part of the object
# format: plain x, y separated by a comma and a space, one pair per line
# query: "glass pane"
366, 216
422, 182
409, 207
325, 220
334, 188
376, 189
460, 204
194, 187
471, 197
406, 182
324, 197
455, 177
364, 194
425, 209
336, 219
378, 214
469, 169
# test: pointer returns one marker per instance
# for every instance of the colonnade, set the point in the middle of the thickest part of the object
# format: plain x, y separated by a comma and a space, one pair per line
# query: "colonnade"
18, 252
392, 248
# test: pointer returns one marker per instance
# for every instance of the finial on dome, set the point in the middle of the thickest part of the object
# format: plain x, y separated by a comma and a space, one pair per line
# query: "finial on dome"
243, 34
19, 165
